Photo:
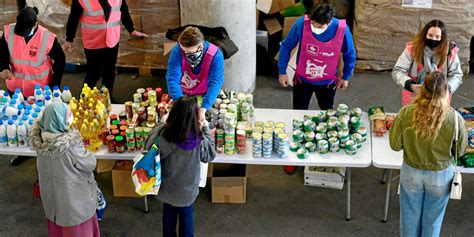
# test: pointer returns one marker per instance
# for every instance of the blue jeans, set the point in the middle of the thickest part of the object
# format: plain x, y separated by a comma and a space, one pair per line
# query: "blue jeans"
424, 196
186, 220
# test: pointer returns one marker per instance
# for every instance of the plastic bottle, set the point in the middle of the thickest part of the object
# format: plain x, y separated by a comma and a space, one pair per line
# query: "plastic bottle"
85, 133
40, 105
57, 98
15, 119
3, 135
108, 103
25, 119
46, 89
56, 90
11, 134
13, 104
39, 97
21, 110
15, 98
38, 112
22, 134
38, 88
66, 96
7, 96
21, 98
5, 121
1, 94
47, 101
30, 124
35, 117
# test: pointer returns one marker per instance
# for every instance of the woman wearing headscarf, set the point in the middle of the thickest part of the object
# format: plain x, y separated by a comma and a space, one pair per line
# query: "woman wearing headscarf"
67, 184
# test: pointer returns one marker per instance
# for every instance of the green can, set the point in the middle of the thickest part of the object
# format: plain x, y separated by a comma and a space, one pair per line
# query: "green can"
342, 109
146, 132
310, 146
351, 147
331, 113
343, 133
356, 112
297, 124
319, 116
323, 147
321, 129
298, 136
139, 132
295, 146
363, 131
309, 136
130, 133
357, 138
309, 126
332, 134
334, 142
355, 123
302, 153
320, 136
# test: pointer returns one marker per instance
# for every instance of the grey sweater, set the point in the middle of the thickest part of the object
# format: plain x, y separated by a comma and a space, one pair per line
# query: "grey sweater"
180, 169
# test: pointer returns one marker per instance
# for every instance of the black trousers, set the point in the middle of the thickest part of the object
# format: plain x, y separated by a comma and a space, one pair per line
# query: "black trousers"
101, 63
302, 93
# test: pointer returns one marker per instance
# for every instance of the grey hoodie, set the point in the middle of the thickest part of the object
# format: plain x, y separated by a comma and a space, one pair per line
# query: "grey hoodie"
67, 184
180, 169
406, 67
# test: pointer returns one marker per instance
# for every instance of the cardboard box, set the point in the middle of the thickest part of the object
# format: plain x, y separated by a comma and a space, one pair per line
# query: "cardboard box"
289, 22
122, 180
327, 177
273, 25
262, 38
228, 183
105, 165
273, 6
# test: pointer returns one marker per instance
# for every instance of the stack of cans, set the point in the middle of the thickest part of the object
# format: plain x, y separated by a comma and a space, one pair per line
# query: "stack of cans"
257, 144
233, 109
334, 145
214, 120
323, 146
350, 148
283, 145
342, 109
267, 147
363, 131
229, 140
276, 132
230, 120
240, 142
130, 133
297, 124
139, 134
245, 112
220, 141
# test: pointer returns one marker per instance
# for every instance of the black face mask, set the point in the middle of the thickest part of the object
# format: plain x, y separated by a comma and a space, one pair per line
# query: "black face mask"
432, 43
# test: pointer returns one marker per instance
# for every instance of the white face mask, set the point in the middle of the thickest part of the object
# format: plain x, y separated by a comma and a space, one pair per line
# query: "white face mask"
318, 31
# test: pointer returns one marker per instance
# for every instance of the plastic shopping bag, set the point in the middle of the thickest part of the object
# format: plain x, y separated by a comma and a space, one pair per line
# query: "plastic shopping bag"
101, 203
203, 174
146, 172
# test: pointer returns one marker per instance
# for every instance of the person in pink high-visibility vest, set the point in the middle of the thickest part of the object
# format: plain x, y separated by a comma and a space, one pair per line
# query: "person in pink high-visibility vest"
100, 32
429, 51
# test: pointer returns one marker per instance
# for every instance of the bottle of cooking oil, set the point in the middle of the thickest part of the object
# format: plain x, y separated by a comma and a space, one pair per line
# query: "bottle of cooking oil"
85, 133
95, 143
107, 99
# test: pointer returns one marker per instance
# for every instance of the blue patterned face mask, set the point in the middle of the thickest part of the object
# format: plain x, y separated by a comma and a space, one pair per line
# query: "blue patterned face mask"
194, 58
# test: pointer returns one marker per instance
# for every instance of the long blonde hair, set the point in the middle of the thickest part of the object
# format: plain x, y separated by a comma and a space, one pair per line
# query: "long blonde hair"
431, 106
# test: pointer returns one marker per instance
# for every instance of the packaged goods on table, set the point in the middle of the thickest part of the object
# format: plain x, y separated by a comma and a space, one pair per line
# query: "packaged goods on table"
329, 131
18, 114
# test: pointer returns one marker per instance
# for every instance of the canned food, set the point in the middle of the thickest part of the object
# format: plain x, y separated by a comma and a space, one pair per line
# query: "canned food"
139, 132
223, 106
310, 146
332, 134
302, 153
350, 147
259, 124
294, 146
363, 131
128, 107
321, 129
309, 125
119, 144
331, 113
130, 133
111, 143
342, 109
146, 133
334, 143
269, 124
320, 136
258, 129
298, 136
219, 149
280, 125
309, 136
297, 124
249, 98
141, 90
355, 123
323, 147
357, 138
283, 145
356, 112
137, 98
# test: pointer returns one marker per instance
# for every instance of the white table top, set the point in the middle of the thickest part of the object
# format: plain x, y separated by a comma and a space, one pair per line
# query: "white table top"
386, 158
363, 158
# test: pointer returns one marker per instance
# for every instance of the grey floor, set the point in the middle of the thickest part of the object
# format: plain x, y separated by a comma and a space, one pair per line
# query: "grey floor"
277, 204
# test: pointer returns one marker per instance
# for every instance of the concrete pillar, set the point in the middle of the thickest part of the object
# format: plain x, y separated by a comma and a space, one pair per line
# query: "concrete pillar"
238, 18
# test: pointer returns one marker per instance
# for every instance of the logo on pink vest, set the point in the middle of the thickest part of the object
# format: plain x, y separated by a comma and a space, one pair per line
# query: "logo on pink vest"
318, 60
196, 84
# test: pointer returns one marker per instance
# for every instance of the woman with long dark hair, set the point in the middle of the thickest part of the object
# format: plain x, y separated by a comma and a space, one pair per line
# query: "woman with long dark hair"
429, 51
425, 131
184, 142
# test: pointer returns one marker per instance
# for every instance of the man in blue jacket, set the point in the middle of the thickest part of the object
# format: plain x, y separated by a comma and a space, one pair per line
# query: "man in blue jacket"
195, 67
322, 38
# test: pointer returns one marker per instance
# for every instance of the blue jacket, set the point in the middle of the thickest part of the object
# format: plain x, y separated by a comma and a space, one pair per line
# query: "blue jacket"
215, 80
294, 37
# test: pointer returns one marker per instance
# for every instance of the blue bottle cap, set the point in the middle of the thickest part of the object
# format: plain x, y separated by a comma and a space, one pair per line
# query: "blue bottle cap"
38, 92
20, 123
66, 88
30, 122
47, 92
56, 94
17, 90
15, 117
29, 107
47, 97
27, 112
12, 102
38, 110
46, 88
35, 115
21, 107
40, 103
24, 118
10, 122
55, 87
37, 86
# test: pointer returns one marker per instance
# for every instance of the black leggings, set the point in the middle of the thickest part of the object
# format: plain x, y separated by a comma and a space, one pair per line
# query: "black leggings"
101, 63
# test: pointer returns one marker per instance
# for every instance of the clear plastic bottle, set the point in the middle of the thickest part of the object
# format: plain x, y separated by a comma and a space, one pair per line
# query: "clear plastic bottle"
35, 116
31, 123
21, 110
22, 134
15, 98
38, 88
11, 134
7, 96
15, 119
3, 135
13, 104
66, 96
5, 121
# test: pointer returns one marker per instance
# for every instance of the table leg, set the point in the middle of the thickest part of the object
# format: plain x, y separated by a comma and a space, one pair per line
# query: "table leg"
387, 196
146, 203
348, 178
384, 177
